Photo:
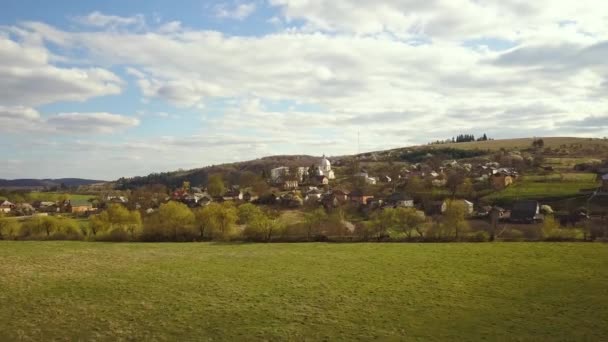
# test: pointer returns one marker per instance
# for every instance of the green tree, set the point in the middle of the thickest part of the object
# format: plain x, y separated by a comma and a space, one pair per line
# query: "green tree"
408, 220
313, 221
382, 222
262, 227
215, 185
454, 217
117, 219
9, 228
225, 221
466, 189
173, 221
248, 212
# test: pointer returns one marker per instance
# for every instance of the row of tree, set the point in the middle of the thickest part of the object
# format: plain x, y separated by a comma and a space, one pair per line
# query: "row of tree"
174, 221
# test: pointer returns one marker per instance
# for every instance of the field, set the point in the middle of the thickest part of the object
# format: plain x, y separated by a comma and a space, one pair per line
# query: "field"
521, 143
199, 291
549, 187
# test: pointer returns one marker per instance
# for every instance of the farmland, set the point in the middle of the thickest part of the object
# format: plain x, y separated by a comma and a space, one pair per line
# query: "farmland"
500, 291
547, 187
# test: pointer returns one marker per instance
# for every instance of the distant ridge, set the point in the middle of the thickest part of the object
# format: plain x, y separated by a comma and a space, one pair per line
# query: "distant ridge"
45, 183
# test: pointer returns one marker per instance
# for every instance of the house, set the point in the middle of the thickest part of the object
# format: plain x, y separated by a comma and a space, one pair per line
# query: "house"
330, 201
501, 180
385, 179
605, 182
400, 200
470, 206
526, 212
290, 184
371, 180
277, 174
291, 200
248, 197
313, 195
321, 180
233, 195
46, 206
360, 197
79, 206
340, 195
6, 206
24, 209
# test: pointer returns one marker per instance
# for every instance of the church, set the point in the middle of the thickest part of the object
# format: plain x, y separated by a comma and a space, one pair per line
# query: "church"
324, 169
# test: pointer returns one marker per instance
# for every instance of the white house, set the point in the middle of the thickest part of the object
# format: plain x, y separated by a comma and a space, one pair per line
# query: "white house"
6, 206
470, 206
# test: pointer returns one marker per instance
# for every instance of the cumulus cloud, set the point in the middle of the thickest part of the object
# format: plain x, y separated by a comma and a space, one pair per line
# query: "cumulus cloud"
98, 19
16, 120
27, 77
238, 11
397, 71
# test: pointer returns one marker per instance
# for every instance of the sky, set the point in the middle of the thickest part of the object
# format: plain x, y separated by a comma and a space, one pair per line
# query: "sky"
109, 89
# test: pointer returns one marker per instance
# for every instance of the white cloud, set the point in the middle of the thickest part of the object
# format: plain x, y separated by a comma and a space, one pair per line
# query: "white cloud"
399, 72
18, 120
98, 19
239, 11
28, 78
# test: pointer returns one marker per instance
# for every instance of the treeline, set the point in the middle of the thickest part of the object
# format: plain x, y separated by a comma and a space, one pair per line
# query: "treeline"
461, 138
422, 154
175, 222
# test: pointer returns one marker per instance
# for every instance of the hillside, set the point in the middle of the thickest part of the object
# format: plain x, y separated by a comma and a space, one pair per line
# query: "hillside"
45, 183
579, 150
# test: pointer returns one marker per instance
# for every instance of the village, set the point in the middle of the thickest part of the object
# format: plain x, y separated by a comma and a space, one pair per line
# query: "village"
361, 190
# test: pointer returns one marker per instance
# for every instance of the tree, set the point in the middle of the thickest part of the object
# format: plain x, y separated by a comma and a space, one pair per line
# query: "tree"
415, 187
313, 221
454, 181
454, 217
408, 220
382, 222
118, 220
215, 185
225, 220
466, 189
262, 227
9, 228
247, 212
174, 221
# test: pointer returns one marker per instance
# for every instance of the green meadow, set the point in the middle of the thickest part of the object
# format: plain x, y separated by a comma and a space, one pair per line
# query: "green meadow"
547, 187
314, 291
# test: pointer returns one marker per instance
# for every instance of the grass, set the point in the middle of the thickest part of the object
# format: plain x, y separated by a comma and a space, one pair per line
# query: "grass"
523, 143
54, 196
199, 291
546, 187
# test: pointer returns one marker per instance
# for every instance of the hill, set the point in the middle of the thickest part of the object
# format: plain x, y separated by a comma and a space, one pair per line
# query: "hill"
576, 150
27, 183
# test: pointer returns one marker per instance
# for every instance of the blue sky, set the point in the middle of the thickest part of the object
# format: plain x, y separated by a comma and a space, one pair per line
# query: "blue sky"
104, 89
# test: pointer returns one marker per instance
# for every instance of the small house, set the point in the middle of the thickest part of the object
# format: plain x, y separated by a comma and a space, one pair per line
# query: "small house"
340, 195
321, 180
470, 206
605, 182
400, 200
313, 195
79, 206
360, 197
233, 195
290, 184
501, 180
6, 206
526, 212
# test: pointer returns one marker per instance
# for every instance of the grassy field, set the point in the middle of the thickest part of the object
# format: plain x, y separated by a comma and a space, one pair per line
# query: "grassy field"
549, 187
198, 291
509, 144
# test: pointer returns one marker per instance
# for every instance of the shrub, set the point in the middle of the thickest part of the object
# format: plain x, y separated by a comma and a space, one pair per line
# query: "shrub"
480, 236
